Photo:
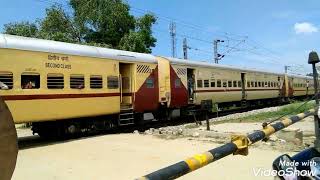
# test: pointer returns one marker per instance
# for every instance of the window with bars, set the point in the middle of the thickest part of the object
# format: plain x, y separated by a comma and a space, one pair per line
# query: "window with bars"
206, 83
224, 83
55, 81
213, 83
113, 82
6, 80
219, 83
199, 83
30, 81
234, 83
96, 82
77, 81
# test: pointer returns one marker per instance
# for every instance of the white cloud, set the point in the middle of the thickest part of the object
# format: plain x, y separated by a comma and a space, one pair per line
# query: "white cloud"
305, 28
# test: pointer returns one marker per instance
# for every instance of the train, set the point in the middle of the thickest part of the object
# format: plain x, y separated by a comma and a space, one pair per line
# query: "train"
62, 88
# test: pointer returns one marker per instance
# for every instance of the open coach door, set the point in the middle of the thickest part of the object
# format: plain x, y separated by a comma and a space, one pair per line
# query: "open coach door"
126, 116
191, 85
126, 83
243, 89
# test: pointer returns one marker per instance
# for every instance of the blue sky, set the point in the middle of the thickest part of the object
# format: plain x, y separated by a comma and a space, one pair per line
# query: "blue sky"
264, 34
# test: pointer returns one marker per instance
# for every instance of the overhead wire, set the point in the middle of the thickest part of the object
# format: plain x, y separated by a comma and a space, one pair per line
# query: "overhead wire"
254, 47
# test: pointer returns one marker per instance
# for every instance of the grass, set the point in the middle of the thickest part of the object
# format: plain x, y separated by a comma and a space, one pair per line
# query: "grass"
287, 110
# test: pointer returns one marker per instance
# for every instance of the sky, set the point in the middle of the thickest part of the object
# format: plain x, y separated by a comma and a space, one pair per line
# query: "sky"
264, 34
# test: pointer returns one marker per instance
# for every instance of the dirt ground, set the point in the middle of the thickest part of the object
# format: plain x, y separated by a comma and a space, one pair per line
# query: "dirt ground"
128, 156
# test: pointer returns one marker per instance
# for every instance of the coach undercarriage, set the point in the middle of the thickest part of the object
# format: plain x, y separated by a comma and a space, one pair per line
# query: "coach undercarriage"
127, 117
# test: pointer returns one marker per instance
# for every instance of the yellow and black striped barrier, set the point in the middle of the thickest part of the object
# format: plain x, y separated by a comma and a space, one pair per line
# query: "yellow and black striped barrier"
238, 145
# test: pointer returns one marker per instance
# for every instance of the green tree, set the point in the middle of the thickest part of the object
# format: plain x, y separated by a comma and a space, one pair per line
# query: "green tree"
111, 23
105, 23
140, 40
58, 26
24, 28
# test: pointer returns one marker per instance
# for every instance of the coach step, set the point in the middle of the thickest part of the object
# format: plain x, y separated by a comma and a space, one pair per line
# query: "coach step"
126, 116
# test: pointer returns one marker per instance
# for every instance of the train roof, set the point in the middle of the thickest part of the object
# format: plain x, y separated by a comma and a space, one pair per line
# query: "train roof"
206, 64
41, 45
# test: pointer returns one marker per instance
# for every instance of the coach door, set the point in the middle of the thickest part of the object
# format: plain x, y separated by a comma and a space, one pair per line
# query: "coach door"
164, 81
243, 86
191, 85
126, 83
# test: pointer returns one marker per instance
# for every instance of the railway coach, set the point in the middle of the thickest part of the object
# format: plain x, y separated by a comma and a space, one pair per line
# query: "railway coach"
230, 87
53, 84
62, 88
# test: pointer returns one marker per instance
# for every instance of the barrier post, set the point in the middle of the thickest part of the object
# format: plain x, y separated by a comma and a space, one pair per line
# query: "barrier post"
314, 59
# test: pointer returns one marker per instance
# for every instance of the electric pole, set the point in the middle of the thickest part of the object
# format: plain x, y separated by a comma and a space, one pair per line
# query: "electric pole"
173, 39
185, 48
286, 69
217, 56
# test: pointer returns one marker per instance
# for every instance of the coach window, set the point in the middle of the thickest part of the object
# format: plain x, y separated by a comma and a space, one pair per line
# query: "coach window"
234, 83
177, 83
77, 81
259, 84
239, 84
248, 84
213, 83
150, 83
206, 83
224, 83
252, 84
113, 82
6, 80
229, 83
219, 83
55, 81
199, 83
256, 84
30, 81
96, 82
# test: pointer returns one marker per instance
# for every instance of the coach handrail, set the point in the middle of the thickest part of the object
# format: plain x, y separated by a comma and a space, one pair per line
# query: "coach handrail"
238, 145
